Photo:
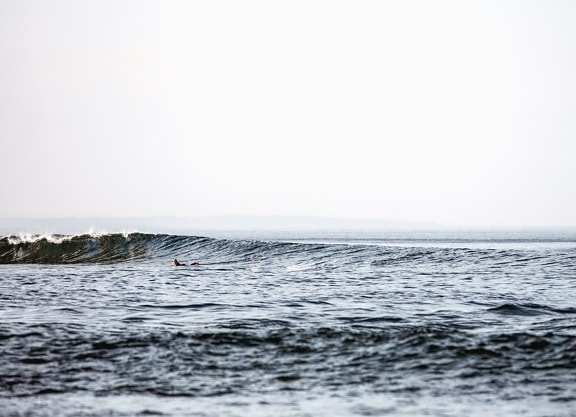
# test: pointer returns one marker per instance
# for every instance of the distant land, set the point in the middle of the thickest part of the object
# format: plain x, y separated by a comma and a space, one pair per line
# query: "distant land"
276, 228
200, 225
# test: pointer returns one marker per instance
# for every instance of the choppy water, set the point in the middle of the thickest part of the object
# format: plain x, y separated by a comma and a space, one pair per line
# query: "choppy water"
399, 326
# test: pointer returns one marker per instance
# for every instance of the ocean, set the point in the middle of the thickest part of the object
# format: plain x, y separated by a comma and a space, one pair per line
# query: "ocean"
317, 324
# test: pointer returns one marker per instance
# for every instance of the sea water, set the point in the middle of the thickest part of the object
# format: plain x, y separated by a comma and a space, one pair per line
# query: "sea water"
397, 324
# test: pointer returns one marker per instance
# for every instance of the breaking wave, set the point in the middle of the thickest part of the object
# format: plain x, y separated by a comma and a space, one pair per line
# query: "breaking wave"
125, 247
88, 248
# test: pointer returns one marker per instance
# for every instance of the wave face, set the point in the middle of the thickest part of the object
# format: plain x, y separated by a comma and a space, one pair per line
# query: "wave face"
87, 248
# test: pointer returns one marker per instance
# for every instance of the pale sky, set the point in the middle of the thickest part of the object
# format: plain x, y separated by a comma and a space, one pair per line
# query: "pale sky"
456, 112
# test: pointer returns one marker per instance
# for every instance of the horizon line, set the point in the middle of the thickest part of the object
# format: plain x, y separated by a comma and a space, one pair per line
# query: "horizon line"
383, 222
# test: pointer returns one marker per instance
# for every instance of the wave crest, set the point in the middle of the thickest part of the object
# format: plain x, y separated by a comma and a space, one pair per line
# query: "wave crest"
86, 248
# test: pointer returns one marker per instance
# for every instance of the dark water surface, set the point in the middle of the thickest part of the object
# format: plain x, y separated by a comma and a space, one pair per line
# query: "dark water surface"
398, 326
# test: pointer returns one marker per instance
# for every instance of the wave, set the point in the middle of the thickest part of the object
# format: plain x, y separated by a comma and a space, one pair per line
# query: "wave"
87, 248
297, 256
530, 309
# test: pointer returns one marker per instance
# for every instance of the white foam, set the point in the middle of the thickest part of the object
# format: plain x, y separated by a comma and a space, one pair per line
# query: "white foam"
31, 238
59, 238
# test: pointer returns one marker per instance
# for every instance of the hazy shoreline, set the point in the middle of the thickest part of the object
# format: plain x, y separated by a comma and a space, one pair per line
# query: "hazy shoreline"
246, 226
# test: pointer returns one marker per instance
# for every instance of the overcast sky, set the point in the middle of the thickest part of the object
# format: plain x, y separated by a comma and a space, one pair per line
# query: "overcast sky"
455, 112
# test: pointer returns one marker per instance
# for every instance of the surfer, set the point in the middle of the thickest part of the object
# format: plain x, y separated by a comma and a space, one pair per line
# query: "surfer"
176, 263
